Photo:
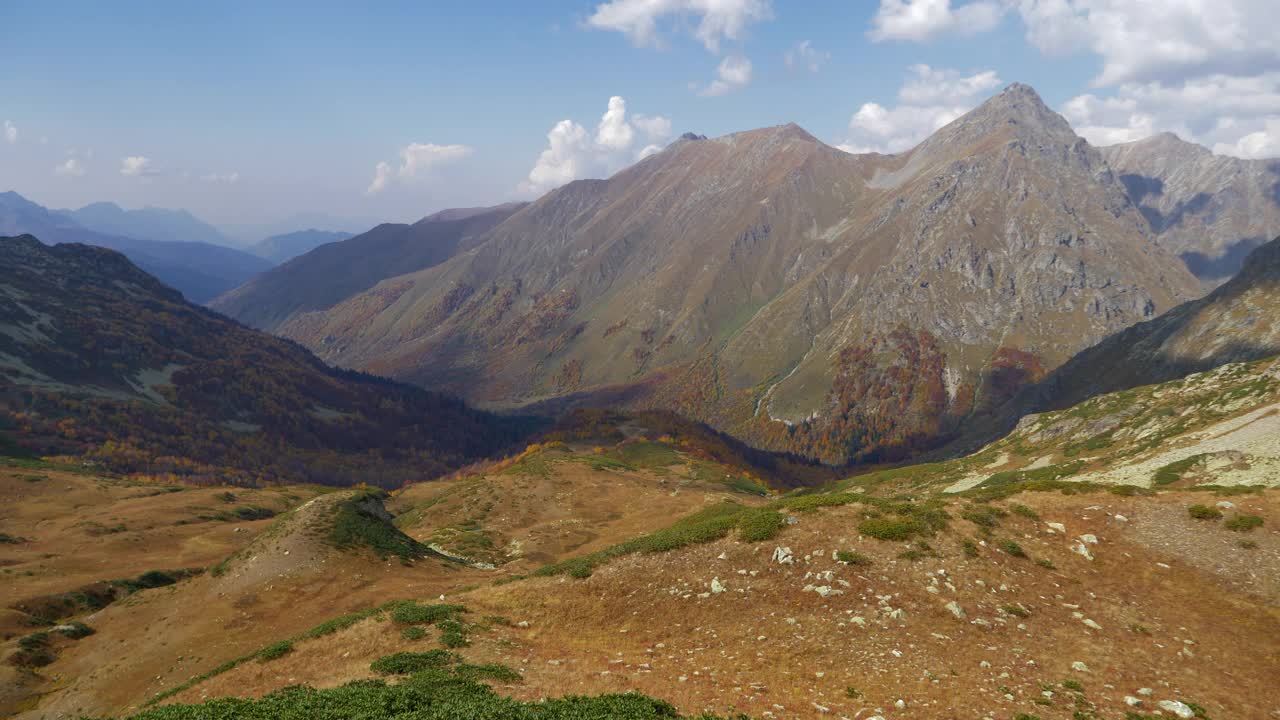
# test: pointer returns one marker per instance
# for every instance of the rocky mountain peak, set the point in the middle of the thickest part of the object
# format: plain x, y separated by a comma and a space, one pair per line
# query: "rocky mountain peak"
1017, 111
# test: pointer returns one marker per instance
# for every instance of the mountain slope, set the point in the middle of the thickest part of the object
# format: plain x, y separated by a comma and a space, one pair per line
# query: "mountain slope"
331, 273
99, 359
149, 223
282, 248
199, 270
1210, 209
1237, 322
794, 295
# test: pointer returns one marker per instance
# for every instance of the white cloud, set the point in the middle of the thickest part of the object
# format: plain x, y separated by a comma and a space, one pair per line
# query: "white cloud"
1233, 115
572, 152
654, 128
717, 20
804, 57
416, 159
929, 99
1169, 41
734, 72
1264, 143
136, 166
921, 20
71, 167
381, 176
10, 132
929, 86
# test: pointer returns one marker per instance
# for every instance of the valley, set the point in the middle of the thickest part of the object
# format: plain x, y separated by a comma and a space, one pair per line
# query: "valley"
968, 415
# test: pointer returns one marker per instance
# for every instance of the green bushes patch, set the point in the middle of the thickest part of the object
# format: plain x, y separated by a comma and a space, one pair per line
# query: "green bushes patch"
852, 557
893, 529
406, 663
275, 650
411, 613
445, 692
356, 525
1174, 471
1243, 523
760, 524
1204, 512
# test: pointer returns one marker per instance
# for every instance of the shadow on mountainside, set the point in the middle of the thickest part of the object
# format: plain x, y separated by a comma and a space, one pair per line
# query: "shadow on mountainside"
1237, 322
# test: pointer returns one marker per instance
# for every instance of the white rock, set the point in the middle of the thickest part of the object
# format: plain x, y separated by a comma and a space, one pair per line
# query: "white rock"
1132, 701
1082, 550
783, 556
1057, 527
1177, 708
1088, 538
954, 608
1226, 505
1079, 666
1121, 518
900, 704
1145, 692
722, 556
1091, 624
717, 586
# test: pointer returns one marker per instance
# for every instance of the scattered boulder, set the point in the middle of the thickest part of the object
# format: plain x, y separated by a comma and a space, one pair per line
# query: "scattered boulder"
783, 556
954, 608
1177, 707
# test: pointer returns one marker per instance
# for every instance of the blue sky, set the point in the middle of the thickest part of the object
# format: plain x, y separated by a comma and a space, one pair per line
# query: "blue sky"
246, 113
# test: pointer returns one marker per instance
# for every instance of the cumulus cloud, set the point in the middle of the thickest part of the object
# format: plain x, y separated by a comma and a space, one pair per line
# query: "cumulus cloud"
136, 166
929, 99
573, 152
804, 57
920, 20
10, 132
733, 72
1169, 42
1232, 115
716, 20
416, 159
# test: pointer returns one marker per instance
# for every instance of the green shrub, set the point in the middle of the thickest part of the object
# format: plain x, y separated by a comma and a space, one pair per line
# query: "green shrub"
453, 634
892, 529
275, 650
488, 671
1046, 563
1243, 523
852, 557
1174, 471
970, 548
1016, 611
760, 524
413, 632
1073, 685
1204, 512
1012, 548
1025, 511
407, 663
253, 513
411, 613
433, 694
983, 515
1246, 545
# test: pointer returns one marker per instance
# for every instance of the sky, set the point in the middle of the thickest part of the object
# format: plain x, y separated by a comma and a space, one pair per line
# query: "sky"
252, 112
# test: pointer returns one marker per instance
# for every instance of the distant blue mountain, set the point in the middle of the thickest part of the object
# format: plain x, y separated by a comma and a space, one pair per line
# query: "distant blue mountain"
281, 248
199, 270
149, 223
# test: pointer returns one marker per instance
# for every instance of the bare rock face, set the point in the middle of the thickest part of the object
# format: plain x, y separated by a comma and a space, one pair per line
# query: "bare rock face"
802, 298
1210, 209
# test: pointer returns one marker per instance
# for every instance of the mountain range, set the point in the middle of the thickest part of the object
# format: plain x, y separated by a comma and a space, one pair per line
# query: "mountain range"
846, 307
328, 274
281, 248
200, 270
149, 223
1210, 209
101, 360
